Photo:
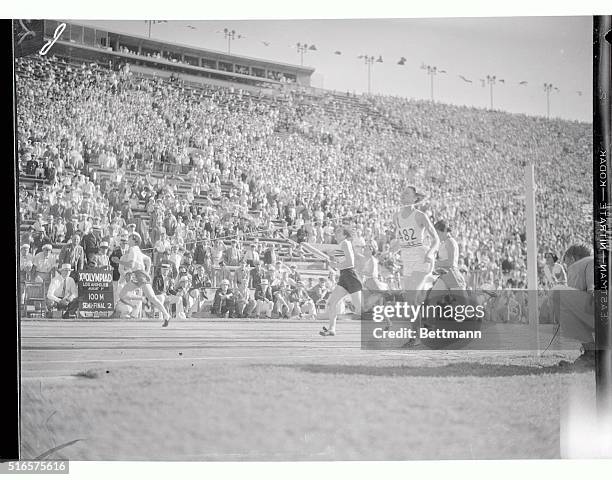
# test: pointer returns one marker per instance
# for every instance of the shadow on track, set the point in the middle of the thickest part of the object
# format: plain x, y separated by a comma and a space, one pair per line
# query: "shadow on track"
464, 369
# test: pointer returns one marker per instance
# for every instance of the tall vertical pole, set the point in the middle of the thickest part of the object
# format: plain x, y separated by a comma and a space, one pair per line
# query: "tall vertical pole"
532, 251
150, 21
432, 93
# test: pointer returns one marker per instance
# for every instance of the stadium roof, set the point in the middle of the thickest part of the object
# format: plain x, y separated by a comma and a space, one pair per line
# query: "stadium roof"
213, 54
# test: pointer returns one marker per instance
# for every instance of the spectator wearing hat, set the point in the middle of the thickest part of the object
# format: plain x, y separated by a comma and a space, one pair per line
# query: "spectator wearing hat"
45, 264
62, 293
264, 299
39, 238
223, 303
73, 254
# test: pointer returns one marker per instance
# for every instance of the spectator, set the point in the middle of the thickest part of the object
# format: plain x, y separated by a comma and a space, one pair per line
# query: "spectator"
223, 303
63, 294
101, 259
74, 255
303, 304
45, 264
117, 267
26, 263
264, 299
243, 300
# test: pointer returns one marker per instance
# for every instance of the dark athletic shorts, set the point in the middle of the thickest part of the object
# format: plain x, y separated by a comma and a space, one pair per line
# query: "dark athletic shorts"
349, 280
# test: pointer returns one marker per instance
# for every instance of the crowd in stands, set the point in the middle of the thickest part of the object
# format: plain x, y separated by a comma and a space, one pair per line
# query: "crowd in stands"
197, 171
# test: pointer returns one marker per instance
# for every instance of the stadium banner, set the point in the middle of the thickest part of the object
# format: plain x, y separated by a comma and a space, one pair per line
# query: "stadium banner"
96, 293
470, 319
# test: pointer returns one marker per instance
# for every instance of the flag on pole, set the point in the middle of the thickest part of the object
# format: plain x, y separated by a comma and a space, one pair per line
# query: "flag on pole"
379, 59
524, 82
402, 61
467, 80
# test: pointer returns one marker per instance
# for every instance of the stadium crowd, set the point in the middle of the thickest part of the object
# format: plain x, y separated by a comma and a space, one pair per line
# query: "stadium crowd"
198, 170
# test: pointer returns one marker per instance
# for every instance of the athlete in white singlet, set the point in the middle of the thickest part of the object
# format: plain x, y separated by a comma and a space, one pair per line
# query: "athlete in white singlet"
447, 261
348, 282
137, 266
410, 228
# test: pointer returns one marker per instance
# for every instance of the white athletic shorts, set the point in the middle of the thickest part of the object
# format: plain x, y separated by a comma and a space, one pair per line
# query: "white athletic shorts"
413, 260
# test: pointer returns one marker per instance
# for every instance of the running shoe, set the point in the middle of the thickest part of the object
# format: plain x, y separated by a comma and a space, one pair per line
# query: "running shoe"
325, 332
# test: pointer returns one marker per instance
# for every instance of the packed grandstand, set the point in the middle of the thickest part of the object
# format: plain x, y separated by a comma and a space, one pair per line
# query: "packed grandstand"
226, 176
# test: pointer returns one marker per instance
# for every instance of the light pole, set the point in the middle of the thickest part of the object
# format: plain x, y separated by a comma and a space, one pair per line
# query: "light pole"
369, 61
491, 79
229, 35
302, 48
548, 87
431, 71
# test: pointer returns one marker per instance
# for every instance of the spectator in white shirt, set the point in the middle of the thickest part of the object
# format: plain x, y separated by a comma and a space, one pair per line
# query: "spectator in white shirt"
63, 293
44, 264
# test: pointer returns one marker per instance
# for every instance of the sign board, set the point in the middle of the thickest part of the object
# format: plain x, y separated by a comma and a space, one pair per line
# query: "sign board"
96, 293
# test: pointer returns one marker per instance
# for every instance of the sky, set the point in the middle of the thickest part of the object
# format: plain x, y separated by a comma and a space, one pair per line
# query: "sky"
538, 50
